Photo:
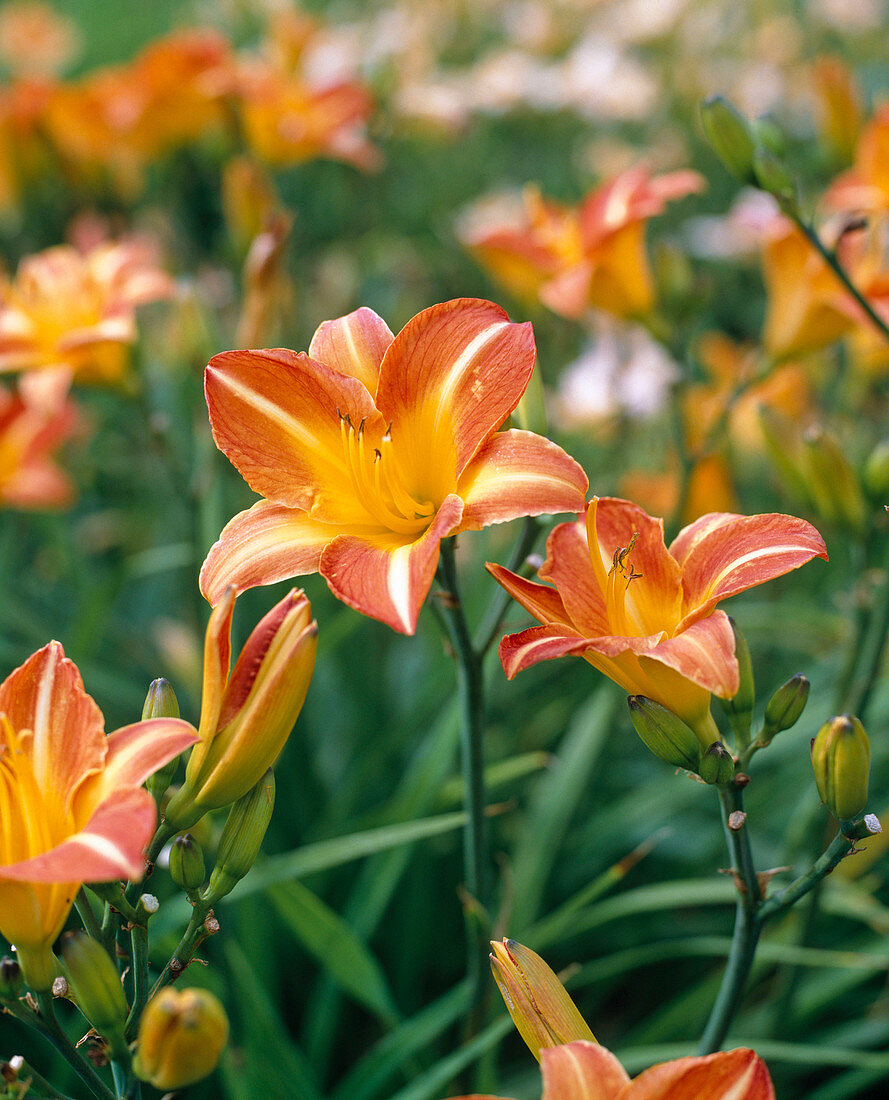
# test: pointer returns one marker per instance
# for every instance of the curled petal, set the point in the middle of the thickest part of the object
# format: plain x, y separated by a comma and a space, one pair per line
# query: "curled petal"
540, 643
384, 577
353, 345
704, 653
543, 602
517, 473
137, 751
581, 1071
728, 1075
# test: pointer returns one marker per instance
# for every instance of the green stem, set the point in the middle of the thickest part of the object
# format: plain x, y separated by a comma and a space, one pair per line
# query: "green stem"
40, 1082
490, 626
194, 935
838, 848
475, 845
747, 928
88, 916
50, 1028
139, 964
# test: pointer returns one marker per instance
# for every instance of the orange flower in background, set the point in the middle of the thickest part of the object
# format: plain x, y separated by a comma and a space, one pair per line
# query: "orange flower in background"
646, 615
865, 187
22, 146
710, 488
586, 1071
372, 448
839, 102
589, 256
71, 802
70, 316
29, 435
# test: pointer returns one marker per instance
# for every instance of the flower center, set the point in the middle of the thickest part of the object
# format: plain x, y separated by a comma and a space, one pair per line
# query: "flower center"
619, 603
379, 482
29, 823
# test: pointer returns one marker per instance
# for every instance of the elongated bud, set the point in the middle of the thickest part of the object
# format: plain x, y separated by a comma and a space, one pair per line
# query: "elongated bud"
717, 764
161, 702
664, 733
730, 136
187, 863
242, 836
95, 983
841, 761
181, 1035
537, 1001
785, 707
739, 709
876, 471
773, 176
11, 980
832, 483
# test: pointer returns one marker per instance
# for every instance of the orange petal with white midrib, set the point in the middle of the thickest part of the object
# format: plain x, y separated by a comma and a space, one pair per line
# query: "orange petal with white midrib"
728, 1075
275, 415
517, 473
353, 345
448, 381
581, 1071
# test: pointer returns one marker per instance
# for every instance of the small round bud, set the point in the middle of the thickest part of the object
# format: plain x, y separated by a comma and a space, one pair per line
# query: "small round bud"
717, 764
730, 136
665, 733
94, 981
841, 762
187, 863
11, 980
181, 1035
242, 836
785, 707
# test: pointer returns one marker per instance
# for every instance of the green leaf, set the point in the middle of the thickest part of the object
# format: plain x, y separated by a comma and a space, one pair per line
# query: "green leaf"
429, 1086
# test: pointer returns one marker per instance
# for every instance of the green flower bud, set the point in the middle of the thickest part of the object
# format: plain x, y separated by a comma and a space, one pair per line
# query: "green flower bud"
730, 136
773, 176
181, 1035
876, 471
785, 707
161, 702
717, 764
841, 761
187, 863
11, 980
739, 709
769, 136
242, 837
664, 733
95, 983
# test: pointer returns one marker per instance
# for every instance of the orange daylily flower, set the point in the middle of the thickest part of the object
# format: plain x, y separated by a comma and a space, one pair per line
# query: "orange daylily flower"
71, 801
372, 448
586, 1071
592, 255
71, 315
29, 434
646, 615
865, 187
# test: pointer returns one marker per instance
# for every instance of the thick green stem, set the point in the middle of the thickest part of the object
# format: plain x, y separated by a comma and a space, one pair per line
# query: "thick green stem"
838, 848
139, 964
199, 928
50, 1028
475, 844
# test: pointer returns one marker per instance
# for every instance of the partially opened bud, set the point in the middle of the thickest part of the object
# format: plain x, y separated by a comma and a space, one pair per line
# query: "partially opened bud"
664, 733
95, 982
537, 1001
246, 717
181, 1035
841, 762
785, 707
729, 133
242, 837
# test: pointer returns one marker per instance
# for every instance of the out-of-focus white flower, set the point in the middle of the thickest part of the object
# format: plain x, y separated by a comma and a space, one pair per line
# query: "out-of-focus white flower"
850, 15
733, 235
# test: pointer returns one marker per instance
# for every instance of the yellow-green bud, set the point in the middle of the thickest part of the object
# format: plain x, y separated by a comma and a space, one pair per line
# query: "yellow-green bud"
11, 980
841, 761
665, 733
785, 707
717, 764
161, 702
242, 836
181, 1035
772, 175
187, 863
730, 136
876, 471
94, 981
539, 1004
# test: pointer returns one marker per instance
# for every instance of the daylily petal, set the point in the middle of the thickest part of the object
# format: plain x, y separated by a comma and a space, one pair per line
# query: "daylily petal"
353, 345
450, 378
137, 751
543, 602
110, 846
46, 696
384, 577
581, 1071
517, 473
723, 554
704, 653
728, 1075
275, 415
264, 544
539, 643
570, 567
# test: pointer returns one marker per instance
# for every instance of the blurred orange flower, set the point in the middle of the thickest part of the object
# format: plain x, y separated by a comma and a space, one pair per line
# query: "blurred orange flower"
22, 147
29, 435
586, 1071
592, 255
71, 800
865, 187
70, 316
710, 488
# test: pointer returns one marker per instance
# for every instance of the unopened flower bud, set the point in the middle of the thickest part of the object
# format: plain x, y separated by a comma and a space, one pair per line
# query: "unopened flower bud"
831, 482
717, 764
11, 980
841, 761
739, 708
785, 707
93, 979
181, 1035
537, 1001
772, 175
664, 733
730, 136
187, 863
242, 837
875, 475
769, 135
161, 702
